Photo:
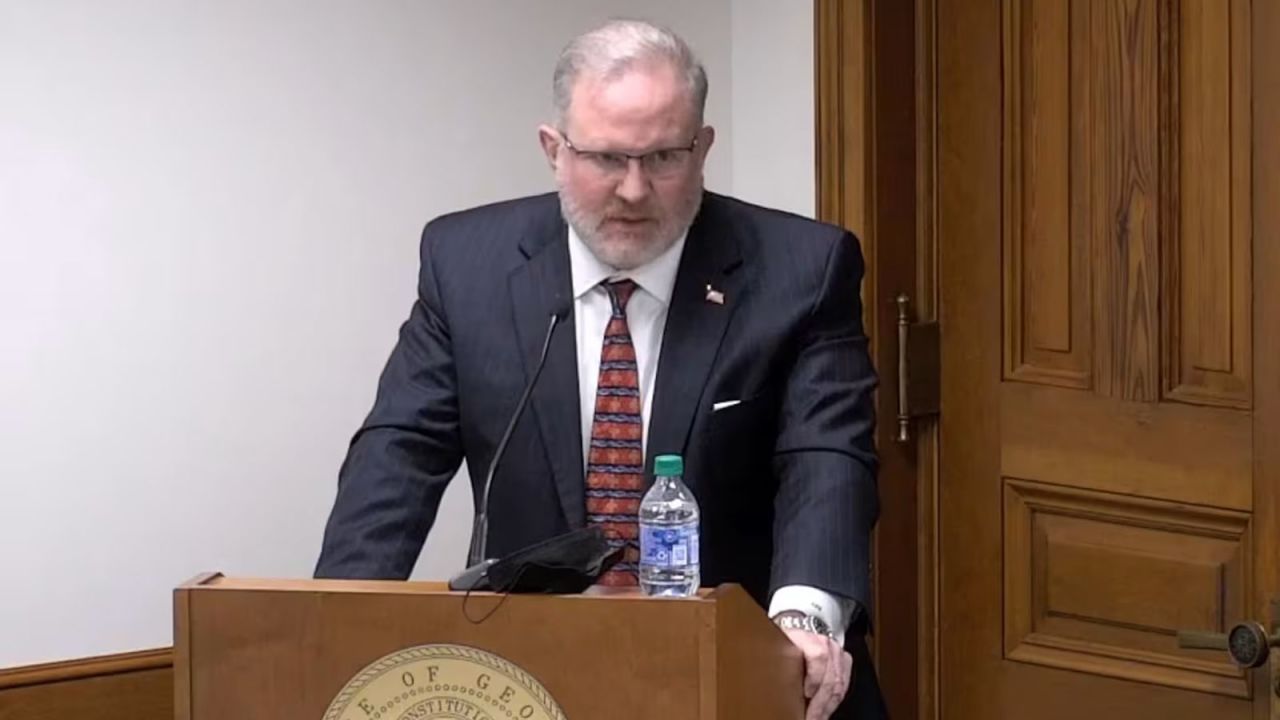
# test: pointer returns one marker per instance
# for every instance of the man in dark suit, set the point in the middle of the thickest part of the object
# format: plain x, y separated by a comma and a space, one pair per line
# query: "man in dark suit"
744, 353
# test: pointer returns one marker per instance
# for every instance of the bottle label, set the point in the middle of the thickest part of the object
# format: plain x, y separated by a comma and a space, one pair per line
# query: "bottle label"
669, 546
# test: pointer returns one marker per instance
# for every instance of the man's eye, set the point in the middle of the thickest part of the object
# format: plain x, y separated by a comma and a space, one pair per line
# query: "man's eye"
611, 160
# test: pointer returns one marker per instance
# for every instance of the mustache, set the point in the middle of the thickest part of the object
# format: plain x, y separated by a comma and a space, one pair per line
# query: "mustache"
630, 212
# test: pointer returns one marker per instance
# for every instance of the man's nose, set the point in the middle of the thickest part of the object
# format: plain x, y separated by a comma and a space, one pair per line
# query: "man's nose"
634, 185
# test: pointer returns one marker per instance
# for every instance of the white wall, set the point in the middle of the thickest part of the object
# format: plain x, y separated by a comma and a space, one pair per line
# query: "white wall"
772, 104
208, 228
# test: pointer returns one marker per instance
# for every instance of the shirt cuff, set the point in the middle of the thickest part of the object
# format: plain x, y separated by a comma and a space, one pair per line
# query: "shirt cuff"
836, 611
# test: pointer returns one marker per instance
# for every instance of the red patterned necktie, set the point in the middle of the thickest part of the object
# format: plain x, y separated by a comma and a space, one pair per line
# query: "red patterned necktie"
615, 462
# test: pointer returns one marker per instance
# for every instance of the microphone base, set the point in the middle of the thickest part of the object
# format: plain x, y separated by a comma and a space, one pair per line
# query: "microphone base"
475, 577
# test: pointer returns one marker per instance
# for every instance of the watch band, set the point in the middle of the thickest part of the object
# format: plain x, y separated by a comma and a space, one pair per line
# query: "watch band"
795, 620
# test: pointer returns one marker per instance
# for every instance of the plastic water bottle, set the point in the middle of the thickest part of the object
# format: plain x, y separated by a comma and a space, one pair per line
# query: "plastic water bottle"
669, 533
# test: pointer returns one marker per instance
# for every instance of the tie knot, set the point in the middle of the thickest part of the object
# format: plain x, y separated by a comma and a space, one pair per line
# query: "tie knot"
619, 293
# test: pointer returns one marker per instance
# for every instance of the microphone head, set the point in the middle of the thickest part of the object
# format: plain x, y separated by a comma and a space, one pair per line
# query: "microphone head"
562, 308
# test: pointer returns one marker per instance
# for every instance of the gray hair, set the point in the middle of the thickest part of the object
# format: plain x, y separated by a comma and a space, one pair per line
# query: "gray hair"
615, 47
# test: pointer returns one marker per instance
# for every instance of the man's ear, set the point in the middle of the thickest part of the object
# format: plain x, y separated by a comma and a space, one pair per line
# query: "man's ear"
550, 140
706, 137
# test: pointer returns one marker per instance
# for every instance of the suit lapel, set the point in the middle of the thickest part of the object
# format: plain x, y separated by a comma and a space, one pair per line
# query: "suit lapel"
539, 288
694, 329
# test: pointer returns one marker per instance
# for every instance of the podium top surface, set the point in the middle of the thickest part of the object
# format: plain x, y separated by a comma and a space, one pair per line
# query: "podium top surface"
218, 581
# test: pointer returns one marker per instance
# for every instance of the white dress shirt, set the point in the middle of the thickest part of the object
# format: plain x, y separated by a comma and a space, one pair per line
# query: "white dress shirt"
646, 319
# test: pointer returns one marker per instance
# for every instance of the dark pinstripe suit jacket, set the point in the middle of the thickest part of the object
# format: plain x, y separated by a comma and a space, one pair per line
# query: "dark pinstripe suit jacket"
785, 479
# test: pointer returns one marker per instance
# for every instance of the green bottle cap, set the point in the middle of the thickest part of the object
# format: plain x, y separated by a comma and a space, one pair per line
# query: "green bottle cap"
668, 465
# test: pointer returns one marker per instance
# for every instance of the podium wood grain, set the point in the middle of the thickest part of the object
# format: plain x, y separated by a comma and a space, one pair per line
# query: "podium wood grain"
284, 649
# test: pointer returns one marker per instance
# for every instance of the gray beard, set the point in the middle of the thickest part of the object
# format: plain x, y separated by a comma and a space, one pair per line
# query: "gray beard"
669, 230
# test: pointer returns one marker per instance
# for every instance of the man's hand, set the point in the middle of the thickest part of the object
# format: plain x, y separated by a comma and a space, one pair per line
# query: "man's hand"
827, 671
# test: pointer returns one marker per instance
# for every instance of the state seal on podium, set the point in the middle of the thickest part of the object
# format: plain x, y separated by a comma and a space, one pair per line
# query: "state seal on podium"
443, 682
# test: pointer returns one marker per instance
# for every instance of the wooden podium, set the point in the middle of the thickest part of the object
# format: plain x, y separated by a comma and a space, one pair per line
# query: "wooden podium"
299, 650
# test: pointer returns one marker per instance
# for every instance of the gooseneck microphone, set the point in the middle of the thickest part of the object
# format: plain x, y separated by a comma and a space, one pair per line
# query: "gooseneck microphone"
477, 561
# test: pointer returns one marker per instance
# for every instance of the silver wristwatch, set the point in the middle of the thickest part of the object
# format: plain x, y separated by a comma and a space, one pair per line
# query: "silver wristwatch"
796, 620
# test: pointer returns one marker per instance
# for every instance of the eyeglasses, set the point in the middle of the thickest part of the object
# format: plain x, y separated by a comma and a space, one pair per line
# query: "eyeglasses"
660, 163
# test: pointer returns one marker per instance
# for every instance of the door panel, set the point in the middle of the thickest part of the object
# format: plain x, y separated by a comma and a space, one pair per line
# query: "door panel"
1097, 253
1098, 583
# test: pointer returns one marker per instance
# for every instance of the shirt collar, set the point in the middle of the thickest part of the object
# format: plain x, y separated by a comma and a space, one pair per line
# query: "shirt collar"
657, 277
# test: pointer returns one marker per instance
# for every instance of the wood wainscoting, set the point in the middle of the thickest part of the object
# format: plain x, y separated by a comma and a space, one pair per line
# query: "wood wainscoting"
131, 686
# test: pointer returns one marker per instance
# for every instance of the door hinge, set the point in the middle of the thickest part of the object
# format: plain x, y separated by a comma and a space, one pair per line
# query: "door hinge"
919, 369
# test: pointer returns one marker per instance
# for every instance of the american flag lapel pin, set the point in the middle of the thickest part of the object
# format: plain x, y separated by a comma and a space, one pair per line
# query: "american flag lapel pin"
714, 296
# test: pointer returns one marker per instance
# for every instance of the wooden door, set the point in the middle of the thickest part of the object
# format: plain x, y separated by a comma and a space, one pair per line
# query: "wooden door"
1109, 240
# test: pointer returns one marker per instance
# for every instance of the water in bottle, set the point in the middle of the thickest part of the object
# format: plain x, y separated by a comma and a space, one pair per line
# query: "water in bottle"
669, 533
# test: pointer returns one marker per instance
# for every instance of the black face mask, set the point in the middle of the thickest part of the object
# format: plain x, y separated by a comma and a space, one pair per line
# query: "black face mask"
565, 564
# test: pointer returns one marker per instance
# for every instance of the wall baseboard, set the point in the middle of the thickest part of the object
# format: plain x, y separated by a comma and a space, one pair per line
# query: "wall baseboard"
128, 686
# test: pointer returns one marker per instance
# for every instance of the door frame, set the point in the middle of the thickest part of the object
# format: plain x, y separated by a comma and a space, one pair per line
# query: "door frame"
1266, 253
875, 175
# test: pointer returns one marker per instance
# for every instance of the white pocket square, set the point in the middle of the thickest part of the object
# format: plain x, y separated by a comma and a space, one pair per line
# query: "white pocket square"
724, 404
